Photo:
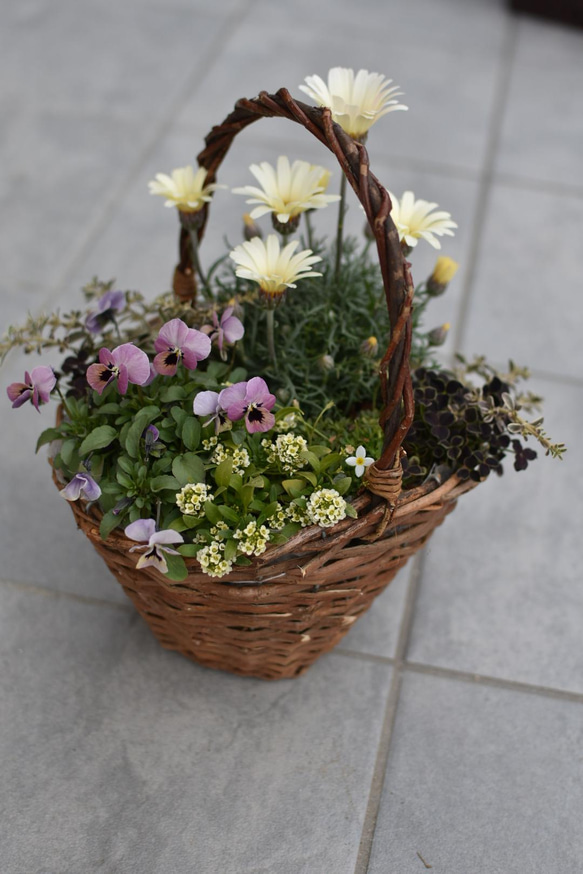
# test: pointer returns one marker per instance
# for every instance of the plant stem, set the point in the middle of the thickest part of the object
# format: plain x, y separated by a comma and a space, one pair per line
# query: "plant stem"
340, 227
196, 262
269, 314
64, 402
309, 230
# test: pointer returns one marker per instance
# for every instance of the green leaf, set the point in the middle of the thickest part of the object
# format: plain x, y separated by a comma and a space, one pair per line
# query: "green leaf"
229, 514
294, 487
141, 421
124, 480
311, 458
311, 477
342, 484
191, 432
350, 511
267, 512
69, 454
236, 482
188, 468
329, 460
47, 436
239, 374
238, 437
319, 450
176, 568
223, 472
126, 464
172, 393
191, 521
212, 512
99, 438
243, 561
189, 549
158, 483
230, 550
108, 523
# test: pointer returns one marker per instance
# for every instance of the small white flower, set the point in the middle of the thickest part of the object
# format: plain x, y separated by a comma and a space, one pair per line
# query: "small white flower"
357, 102
415, 220
274, 269
191, 498
326, 507
287, 190
360, 461
184, 188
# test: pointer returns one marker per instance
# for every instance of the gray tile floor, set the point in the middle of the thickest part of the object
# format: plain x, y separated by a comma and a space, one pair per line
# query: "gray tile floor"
446, 733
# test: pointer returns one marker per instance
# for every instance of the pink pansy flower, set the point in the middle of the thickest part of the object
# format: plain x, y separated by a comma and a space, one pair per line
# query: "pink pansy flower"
126, 363
177, 342
81, 486
155, 543
37, 387
229, 329
250, 399
208, 403
108, 305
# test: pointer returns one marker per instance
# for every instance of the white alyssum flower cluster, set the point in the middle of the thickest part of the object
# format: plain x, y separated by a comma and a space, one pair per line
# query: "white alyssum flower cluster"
209, 442
239, 455
212, 560
253, 539
191, 498
286, 449
326, 507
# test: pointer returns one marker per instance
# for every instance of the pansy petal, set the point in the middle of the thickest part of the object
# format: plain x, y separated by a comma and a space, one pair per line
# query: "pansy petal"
141, 530
122, 379
166, 363
233, 400
233, 329
206, 403
153, 558
173, 333
166, 536
19, 393
72, 490
99, 376
258, 393
90, 488
259, 419
135, 360
196, 347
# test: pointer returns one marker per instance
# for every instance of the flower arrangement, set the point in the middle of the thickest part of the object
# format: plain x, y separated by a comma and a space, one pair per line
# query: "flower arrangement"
219, 426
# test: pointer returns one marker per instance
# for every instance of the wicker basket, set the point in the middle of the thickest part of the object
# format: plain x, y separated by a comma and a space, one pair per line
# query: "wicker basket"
295, 602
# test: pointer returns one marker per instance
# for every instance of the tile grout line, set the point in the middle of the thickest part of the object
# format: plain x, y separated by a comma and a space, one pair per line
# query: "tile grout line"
382, 757
46, 591
506, 63
201, 70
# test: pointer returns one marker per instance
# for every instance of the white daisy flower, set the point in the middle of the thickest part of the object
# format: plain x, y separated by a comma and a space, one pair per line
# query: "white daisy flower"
274, 269
360, 461
287, 190
184, 189
357, 101
416, 220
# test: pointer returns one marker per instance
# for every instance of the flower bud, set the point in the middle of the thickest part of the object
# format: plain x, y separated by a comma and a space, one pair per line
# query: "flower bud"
326, 363
191, 220
438, 336
288, 227
250, 228
370, 347
443, 272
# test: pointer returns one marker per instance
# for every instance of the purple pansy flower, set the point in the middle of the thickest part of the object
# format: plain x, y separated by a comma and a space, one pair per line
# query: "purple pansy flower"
81, 486
208, 403
37, 387
177, 342
154, 542
250, 399
229, 329
126, 363
107, 305
150, 436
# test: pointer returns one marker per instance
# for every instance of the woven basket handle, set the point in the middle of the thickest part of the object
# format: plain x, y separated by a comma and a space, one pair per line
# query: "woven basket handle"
394, 371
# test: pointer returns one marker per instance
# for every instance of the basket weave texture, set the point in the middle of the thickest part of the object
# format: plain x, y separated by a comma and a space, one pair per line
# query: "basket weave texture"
274, 618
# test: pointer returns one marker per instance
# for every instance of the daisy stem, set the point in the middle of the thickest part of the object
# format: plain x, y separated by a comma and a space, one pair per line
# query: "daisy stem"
309, 230
158, 511
196, 262
269, 314
340, 227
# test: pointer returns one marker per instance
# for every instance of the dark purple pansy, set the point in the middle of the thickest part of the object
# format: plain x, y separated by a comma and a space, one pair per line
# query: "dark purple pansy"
126, 363
155, 543
37, 387
81, 486
250, 399
108, 305
177, 342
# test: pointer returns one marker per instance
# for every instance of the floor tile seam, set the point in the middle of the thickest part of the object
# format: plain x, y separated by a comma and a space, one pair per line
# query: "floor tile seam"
192, 83
40, 589
494, 682
499, 103
384, 745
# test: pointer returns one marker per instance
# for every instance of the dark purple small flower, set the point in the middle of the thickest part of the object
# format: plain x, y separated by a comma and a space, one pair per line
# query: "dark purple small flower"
108, 305
250, 399
126, 363
81, 486
208, 403
229, 329
155, 543
177, 342
150, 436
37, 387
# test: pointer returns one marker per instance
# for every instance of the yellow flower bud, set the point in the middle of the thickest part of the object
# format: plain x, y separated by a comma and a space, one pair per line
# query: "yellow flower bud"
370, 347
250, 228
443, 272
438, 336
